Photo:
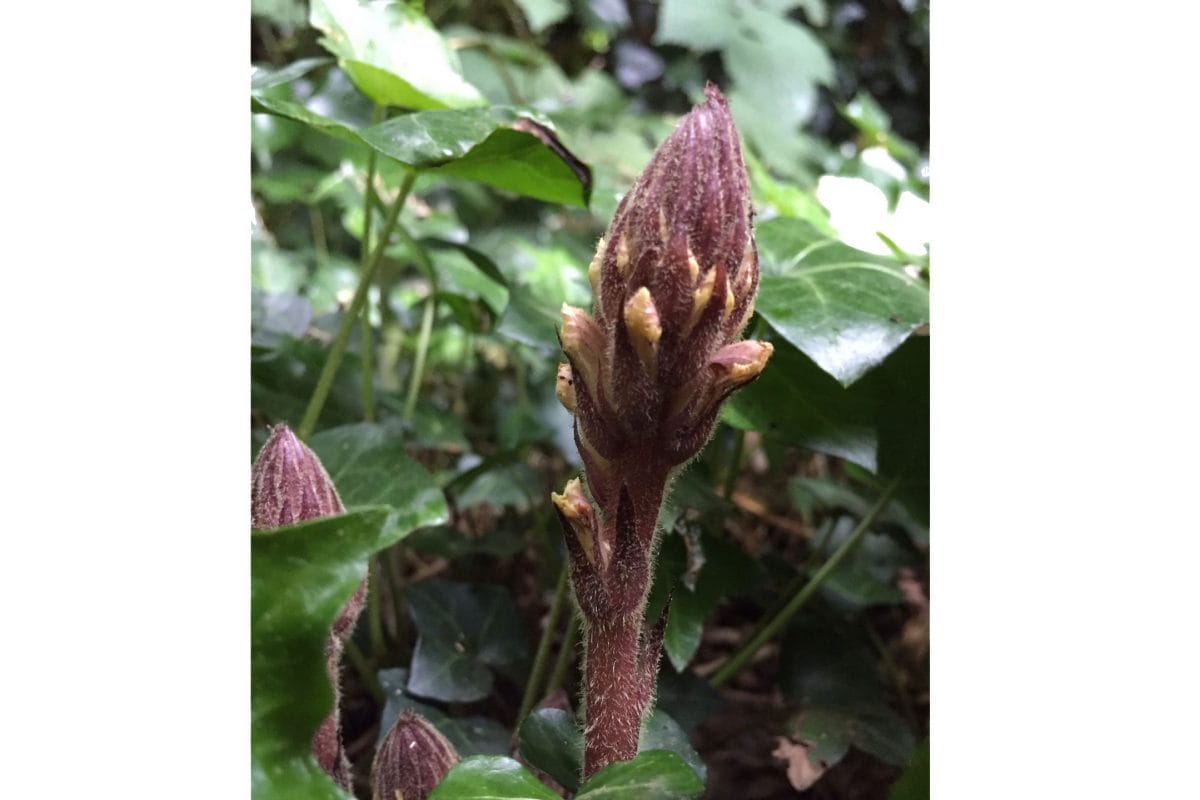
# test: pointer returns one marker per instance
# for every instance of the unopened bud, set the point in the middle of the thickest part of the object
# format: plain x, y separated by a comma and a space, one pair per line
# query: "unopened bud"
583, 342
412, 759
289, 484
577, 511
564, 387
643, 326
675, 277
737, 364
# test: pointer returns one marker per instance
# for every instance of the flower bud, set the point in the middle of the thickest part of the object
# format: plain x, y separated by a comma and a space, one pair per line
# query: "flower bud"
674, 278
412, 759
289, 484
564, 387
577, 511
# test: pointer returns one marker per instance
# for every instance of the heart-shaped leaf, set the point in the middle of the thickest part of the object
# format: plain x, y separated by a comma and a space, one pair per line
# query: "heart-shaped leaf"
300, 576
843, 308
653, 775
463, 630
550, 740
393, 54
490, 778
370, 466
514, 150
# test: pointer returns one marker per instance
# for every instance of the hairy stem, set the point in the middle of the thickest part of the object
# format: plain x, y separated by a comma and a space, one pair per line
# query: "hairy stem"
543, 651
613, 715
785, 614
338, 348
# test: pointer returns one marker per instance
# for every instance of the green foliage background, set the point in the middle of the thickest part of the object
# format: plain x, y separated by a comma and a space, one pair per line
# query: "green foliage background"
440, 427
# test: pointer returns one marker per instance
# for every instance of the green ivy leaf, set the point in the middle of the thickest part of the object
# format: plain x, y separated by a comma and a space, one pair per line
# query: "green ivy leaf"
830, 731
541, 14
263, 104
726, 570
490, 778
369, 465
661, 732
264, 77
653, 775
393, 54
300, 576
843, 308
550, 740
831, 672
699, 26
513, 150
904, 423
819, 413
914, 782
463, 629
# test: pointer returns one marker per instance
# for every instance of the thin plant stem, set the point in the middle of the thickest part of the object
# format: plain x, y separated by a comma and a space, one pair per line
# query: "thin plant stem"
543, 650
393, 557
768, 631
367, 345
565, 653
793, 586
418, 369
374, 612
363, 667
338, 348
735, 462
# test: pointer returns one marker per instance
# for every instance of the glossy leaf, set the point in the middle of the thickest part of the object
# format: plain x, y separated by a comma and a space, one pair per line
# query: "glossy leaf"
300, 576
652, 775
490, 778
393, 54
541, 14
800, 403
550, 740
843, 308
904, 423
371, 467
516, 151
661, 732
463, 630
262, 104
266, 77
726, 570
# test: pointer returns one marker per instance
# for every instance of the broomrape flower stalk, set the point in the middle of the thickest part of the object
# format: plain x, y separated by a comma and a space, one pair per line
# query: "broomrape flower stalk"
673, 281
289, 485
